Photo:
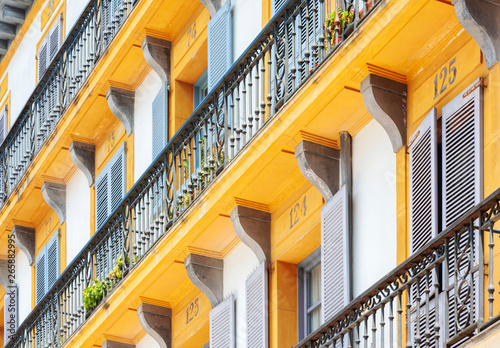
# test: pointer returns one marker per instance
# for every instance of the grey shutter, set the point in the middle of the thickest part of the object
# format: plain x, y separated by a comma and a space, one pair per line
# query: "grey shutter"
42, 58
3, 125
40, 274
101, 198
117, 178
55, 40
222, 333
334, 255
256, 292
277, 5
160, 120
462, 153
220, 44
53, 260
426, 322
423, 183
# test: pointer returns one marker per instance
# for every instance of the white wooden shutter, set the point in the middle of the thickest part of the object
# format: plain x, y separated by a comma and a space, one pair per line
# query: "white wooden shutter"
3, 124
256, 292
40, 274
220, 44
55, 40
160, 120
117, 178
334, 255
426, 322
53, 260
222, 333
43, 56
423, 183
462, 153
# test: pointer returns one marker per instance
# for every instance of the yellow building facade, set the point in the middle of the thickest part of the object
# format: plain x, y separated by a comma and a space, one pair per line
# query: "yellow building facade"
249, 173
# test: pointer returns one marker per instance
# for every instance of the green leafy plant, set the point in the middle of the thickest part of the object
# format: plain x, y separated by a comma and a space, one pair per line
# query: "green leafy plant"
93, 294
345, 17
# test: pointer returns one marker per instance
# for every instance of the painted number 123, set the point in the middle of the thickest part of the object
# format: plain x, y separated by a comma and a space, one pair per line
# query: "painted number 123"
441, 81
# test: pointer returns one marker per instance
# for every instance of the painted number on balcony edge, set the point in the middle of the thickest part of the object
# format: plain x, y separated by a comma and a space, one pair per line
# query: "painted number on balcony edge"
298, 210
441, 81
111, 141
191, 34
192, 311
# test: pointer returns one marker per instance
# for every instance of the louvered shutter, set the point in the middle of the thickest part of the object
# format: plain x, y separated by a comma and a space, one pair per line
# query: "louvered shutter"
43, 57
53, 260
220, 44
3, 125
423, 183
256, 292
426, 323
462, 190
117, 178
55, 40
334, 255
160, 120
101, 198
40, 274
277, 5
222, 333
105, 19
462, 153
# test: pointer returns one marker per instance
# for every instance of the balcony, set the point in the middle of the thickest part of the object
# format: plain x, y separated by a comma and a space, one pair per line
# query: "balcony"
285, 55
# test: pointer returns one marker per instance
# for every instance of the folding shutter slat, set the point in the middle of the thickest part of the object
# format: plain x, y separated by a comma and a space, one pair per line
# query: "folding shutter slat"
40, 279
42, 58
256, 292
53, 260
117, 178
220, 50
54, 40
423, 183
101, 198
334, 255
222, 332
462, 153
160, 120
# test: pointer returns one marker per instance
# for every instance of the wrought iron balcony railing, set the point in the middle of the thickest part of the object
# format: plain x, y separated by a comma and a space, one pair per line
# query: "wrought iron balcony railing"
58, 86
436, 298
290, 49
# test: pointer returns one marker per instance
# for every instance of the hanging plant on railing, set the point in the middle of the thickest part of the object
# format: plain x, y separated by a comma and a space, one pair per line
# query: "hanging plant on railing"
336, 25
93, 294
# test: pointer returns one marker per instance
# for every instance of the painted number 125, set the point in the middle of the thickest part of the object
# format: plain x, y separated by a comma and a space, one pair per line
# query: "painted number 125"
440, 81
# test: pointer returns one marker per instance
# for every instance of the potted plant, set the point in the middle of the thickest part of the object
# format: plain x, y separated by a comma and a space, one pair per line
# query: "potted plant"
336, 22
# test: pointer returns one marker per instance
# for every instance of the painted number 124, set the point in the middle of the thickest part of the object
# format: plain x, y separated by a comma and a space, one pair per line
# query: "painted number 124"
299, 210
441, 81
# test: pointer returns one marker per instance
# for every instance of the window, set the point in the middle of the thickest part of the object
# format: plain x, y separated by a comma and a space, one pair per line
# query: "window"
47, 267
49, 47
220, 45
200, 89
110, 186
309, 273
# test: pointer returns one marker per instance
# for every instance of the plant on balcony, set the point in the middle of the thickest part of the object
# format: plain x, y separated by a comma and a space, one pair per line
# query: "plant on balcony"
93, 294
332, 22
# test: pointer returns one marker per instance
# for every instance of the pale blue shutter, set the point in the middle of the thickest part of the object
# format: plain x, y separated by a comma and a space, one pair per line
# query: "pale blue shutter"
222, 331
334, 255
160, 120
256, 291
53, 260
220, 44
117, 178
277, 5
42, 58
3, 125
55, 40
101, 198
40, 274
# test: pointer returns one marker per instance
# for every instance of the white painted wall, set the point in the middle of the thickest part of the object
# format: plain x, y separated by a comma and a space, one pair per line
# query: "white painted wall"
74, 9
237, 268
23, 280
147, 342
143, 123
247, 23
77, 215
374, 206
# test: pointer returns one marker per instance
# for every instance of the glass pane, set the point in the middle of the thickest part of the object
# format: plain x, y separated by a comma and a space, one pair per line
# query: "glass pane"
313, 320
314, 285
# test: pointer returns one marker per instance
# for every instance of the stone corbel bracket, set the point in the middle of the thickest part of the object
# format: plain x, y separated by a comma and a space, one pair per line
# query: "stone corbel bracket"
157, 54
481, 20
24, 237
206, 273
113, 344
121, 103
54, 195
157, 322
385, 100
83, 156
253, 228
213, 6
320, 165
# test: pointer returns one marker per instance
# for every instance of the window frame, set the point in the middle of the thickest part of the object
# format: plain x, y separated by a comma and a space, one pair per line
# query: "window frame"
198, 88
303, 269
